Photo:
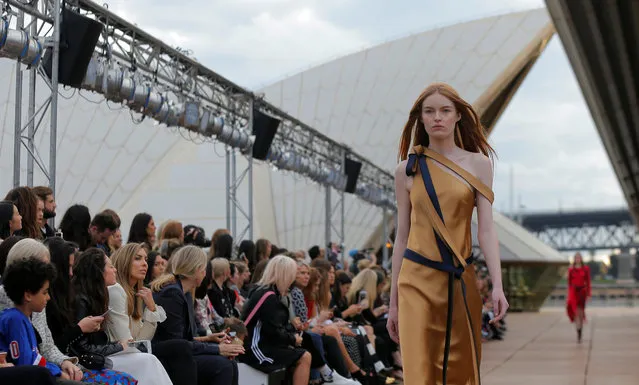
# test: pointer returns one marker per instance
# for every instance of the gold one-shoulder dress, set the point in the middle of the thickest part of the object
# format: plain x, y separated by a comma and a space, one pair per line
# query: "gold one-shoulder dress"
433, 280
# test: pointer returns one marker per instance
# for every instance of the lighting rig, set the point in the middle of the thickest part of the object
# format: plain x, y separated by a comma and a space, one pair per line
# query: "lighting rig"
160, 82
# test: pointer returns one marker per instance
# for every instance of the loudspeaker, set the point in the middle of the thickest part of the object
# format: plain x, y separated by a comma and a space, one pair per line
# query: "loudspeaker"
352, 169
264, 129
78, 37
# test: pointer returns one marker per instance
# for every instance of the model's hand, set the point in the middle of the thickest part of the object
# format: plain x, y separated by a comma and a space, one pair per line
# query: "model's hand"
500, 305
392, 324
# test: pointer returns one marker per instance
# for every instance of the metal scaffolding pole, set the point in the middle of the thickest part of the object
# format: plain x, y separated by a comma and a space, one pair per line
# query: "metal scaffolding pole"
228, 188
328, 217
335, 218
32, 101
250, 175
342, 207
17, 132
233, 194
24, 44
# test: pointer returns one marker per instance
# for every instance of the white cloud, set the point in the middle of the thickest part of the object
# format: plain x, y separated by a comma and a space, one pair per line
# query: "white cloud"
248, 41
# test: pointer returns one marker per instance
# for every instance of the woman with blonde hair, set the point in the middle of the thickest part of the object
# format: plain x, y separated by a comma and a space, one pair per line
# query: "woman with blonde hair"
365, 281
438, 185
134, 314
174, 292
272, 342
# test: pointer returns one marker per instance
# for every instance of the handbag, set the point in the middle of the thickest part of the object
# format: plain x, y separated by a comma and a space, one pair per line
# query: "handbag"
92, 361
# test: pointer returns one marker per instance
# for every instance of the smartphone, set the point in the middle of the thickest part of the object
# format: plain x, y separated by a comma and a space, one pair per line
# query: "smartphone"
106, 312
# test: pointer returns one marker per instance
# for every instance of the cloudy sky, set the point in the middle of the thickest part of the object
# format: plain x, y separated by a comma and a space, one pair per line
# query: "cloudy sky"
546, 136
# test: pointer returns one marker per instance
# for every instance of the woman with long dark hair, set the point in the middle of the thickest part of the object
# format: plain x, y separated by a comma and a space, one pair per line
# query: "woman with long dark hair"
246, 252
27, 204
75, 226
447, 174
92, 274
224, 247
142, 230
10, 219
157, 266
578, 293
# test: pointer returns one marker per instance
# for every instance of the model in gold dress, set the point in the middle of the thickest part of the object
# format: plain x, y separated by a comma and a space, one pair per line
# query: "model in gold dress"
435, 310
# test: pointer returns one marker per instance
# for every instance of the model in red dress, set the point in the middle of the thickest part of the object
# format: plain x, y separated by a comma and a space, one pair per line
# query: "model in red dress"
578, 293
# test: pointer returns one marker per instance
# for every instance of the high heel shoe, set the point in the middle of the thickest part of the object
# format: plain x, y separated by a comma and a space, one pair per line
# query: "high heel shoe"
362, 377
579, 335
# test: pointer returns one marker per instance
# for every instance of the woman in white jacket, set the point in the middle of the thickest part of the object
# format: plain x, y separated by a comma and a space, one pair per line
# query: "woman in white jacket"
134, 316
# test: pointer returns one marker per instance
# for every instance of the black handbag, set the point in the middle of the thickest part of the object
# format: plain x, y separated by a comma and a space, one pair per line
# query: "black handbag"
92, 361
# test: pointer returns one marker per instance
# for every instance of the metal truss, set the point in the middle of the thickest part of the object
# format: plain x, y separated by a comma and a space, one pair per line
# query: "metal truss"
591, 238
31, 49
179, 74
233, 204
168, 84
334, 219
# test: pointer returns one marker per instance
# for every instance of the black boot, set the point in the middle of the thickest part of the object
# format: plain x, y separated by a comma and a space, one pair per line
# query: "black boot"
579, 335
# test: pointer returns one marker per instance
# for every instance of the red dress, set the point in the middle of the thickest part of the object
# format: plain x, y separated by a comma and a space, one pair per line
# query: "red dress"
578, 290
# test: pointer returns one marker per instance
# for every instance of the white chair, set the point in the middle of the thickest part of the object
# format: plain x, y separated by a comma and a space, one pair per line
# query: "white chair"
250, 376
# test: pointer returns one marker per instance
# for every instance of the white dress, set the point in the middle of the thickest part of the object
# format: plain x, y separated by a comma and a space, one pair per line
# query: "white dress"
145, 367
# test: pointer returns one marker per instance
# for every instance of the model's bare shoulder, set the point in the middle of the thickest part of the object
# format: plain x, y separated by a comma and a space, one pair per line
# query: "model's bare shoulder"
402, 181
483, 168
400, 170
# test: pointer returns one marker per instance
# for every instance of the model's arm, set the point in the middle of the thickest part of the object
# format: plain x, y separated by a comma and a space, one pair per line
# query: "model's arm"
487, 236
403, 227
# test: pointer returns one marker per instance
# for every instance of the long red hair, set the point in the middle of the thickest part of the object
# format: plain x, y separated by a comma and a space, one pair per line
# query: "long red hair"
470, 134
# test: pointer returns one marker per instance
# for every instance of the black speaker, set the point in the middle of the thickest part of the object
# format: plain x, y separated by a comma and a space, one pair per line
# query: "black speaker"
352, 169
264, 129
78, 37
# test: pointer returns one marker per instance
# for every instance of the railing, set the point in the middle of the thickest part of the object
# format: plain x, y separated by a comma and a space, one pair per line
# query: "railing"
604, 295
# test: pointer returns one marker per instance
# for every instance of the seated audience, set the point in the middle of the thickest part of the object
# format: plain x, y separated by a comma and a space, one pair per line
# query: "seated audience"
273, 342
172, 291
92, 274
134, 316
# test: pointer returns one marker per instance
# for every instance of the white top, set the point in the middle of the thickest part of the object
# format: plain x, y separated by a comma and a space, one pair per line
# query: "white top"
120, 326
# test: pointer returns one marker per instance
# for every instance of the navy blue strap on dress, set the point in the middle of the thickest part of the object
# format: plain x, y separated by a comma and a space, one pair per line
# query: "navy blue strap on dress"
444, 250
410, 164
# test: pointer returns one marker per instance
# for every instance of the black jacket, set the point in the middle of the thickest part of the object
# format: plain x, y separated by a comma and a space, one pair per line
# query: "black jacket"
96, 342
276, 329
223, 301
180, 319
